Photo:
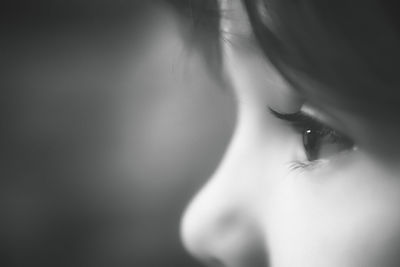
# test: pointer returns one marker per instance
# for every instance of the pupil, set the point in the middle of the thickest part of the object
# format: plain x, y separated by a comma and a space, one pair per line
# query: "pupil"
310, 142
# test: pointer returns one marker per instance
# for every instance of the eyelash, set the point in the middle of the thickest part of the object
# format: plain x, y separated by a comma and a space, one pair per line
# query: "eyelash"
309, 127
298, 165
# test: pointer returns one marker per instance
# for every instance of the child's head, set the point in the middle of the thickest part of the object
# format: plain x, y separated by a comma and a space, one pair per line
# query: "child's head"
311, 177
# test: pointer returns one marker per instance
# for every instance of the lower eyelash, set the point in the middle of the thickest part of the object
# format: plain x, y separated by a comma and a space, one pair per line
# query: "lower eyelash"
298, 165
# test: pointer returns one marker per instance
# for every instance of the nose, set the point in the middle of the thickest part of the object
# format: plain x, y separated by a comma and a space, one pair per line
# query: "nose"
220, 227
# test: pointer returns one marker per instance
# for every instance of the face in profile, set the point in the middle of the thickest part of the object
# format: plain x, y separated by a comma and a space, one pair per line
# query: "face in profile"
304, 182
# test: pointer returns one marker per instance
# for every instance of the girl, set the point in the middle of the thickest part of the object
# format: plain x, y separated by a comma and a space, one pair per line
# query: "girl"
311, 177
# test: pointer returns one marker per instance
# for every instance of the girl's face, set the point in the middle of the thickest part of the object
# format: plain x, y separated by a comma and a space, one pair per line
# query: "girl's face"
314, 188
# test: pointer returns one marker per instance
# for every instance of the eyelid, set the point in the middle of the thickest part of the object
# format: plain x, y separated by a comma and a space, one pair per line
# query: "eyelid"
331, 119
305, 112
302, 121
321, 117
295, 118
311, 114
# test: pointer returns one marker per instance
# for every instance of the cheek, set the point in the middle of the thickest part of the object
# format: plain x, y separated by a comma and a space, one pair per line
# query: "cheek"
341, 218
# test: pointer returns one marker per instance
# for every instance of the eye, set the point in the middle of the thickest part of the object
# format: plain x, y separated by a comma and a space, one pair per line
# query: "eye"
319, 140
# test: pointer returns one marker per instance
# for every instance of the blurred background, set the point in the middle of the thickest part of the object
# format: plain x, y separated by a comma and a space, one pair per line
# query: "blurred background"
113, 116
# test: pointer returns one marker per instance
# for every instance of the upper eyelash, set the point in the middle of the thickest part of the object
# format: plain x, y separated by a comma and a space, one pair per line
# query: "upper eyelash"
300, 121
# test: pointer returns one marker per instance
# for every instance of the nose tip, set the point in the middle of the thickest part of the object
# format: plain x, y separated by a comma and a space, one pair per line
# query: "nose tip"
187, 234
219, 232
194, 231
205, 227
204, 238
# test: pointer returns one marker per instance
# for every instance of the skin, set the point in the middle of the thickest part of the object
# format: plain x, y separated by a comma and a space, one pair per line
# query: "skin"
256, 211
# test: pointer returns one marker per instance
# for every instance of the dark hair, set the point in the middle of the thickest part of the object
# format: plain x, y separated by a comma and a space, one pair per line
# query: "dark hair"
342, 52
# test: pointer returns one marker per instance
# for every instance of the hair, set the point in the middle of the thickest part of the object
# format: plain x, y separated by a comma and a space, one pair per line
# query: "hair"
341, 52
